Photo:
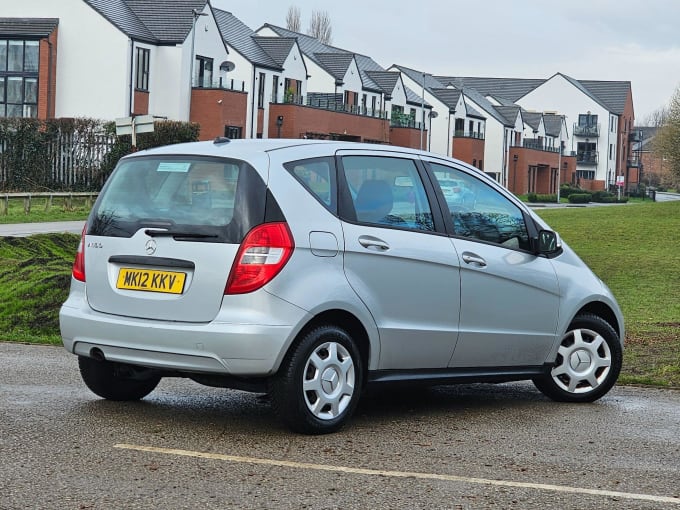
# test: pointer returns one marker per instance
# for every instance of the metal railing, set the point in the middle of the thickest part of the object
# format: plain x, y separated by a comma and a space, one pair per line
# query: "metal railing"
591, 130
222, 84
404, 120
461, 133
587, 158
538, 145
634, 163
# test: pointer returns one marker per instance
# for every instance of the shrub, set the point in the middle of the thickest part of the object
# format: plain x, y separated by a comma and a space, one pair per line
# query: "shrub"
567, 189
579, 198
532, 197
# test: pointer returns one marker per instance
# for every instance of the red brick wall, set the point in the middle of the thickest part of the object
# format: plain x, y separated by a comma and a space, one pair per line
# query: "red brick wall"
141, 103
260, 122
470, 150
47, 76
407, 137
625, 127
518, 174
299, 120
214, 109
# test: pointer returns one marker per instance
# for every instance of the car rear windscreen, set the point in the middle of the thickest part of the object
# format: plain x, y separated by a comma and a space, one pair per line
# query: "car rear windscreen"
207, 199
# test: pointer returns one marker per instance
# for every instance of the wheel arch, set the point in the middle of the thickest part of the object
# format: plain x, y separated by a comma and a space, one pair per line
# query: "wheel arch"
346, 321
603, 311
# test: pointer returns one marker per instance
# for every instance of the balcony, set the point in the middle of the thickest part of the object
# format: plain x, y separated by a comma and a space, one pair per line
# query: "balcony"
633, 163
635, 136
537, 145
221, 84
589, 131
461, 133
587, 158
336, 103
402, 120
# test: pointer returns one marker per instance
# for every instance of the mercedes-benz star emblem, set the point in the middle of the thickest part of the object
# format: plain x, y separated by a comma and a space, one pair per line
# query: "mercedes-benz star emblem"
150, 247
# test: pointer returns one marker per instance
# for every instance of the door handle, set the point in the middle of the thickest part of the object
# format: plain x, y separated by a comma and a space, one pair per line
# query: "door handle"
373, 243
471, 258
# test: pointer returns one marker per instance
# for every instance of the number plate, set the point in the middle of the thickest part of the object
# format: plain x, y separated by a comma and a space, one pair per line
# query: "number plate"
169, 282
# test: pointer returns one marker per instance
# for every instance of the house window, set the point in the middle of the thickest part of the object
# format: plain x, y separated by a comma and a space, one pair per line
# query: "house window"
373, 106
587, 120
611, 151
19, 78
142, 80
203, 74
275, 88
233, 132
260, 91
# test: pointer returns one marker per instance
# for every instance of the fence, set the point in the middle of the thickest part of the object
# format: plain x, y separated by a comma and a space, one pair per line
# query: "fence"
53, 155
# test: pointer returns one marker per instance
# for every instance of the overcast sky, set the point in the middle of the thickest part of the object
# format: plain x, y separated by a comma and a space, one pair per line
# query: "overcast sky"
637, 41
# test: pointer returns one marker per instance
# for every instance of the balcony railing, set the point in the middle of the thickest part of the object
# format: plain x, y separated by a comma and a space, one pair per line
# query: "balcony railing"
461, 133
635, 136
537, 145
222, 83
404, 120
586, 130
634, 163
587, 158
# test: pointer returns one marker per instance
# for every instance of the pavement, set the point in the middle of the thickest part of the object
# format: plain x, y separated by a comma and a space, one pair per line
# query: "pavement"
28, 229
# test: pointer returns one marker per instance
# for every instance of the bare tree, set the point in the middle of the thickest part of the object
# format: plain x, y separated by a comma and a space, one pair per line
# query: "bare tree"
657, 118
293, 19
320, 27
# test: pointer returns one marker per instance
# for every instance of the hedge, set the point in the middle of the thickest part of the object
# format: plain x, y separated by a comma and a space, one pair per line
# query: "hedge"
579, 198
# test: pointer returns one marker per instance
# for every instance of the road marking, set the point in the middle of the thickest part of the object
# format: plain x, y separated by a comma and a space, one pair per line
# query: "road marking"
399, 474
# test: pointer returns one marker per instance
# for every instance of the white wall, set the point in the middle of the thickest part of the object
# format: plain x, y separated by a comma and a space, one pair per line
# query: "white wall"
93, 58
558, 94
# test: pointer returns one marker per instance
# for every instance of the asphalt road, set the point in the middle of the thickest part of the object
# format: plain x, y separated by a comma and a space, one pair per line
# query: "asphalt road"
27, 229
188, 446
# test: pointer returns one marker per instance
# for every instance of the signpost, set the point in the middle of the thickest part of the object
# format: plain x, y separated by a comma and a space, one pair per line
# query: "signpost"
620, 181
134, 125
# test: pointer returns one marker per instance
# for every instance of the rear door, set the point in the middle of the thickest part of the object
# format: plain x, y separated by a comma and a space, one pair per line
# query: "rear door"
164, 234
398, 259
509, 296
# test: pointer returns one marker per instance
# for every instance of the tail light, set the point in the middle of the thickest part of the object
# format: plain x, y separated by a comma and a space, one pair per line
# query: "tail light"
79, 263
262, 254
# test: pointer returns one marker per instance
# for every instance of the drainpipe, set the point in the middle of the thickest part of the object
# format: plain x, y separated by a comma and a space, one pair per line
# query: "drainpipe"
448, 137
49, 80
252, 106
132, 71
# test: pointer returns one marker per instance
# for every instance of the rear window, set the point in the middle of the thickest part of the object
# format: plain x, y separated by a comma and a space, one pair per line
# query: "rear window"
216, 199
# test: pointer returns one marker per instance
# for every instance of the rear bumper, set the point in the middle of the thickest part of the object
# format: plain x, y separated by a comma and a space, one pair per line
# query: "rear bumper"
218, 347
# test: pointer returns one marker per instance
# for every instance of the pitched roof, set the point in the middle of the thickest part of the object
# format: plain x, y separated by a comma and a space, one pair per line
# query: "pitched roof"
508, 88
308, 45
613, 94
449, 97
278, 48
417, 76
335, 63
153, 21
483, 103
533, 119
242, 38
28, 27
509, 113
384, 79
553, 124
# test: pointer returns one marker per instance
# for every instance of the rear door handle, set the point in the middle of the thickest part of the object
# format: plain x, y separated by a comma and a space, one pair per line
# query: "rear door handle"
373, 243
471, 258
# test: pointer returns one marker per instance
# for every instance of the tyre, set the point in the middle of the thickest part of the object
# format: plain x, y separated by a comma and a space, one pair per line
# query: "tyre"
318, 385
588, 362
116, 381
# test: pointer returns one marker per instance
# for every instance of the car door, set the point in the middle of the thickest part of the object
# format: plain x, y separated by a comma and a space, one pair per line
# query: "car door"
398, 258
509, 296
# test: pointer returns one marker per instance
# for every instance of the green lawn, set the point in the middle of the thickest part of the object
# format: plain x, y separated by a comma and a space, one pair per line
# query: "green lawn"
634, 248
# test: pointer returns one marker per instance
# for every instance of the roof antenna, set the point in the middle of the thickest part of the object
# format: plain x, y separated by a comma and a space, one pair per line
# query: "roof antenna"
221, 140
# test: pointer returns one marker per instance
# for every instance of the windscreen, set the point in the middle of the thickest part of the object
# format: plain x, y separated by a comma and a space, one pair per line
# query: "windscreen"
207, 199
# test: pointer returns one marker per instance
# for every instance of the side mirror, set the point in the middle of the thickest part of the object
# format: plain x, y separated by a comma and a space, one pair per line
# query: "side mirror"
547, 243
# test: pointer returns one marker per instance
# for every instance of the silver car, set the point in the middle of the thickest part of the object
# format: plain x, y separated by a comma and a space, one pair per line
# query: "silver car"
309, 270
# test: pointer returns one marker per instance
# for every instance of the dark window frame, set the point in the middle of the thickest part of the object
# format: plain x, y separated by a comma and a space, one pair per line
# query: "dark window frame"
142, 69
204, 65
26, 77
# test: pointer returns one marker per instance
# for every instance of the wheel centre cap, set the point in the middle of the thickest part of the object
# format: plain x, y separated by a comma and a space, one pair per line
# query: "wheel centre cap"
580, 360
329, 380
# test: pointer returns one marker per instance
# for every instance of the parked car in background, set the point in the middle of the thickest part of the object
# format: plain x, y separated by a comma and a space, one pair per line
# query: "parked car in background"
309, 270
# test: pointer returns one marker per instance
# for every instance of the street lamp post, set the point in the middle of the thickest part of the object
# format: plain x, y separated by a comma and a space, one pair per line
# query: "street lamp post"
422, 113
196, 14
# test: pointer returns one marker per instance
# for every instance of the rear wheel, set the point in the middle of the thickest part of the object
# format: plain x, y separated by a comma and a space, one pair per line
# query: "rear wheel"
318, 385
117, 381
588, 362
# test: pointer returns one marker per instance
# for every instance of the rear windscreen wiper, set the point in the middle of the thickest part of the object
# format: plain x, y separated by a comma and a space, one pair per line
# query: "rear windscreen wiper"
177, 233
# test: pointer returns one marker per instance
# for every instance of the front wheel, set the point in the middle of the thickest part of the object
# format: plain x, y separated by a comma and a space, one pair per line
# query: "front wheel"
588, 362
318, 385
116, 381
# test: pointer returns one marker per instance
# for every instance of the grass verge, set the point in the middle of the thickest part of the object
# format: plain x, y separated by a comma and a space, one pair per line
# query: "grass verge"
633, 248
59, 210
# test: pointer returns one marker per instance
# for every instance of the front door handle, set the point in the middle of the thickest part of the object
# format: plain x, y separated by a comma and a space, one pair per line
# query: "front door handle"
373, 243
471, 258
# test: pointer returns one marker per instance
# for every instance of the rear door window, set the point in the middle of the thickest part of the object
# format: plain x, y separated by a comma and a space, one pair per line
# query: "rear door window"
318, 176
215, 199
387, 191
